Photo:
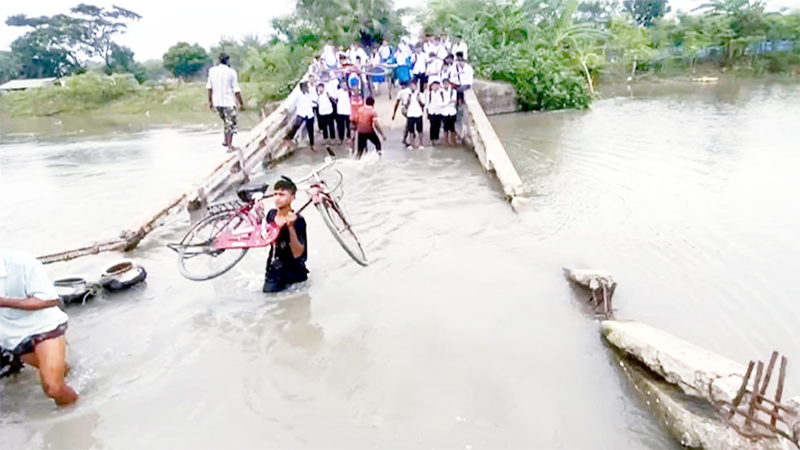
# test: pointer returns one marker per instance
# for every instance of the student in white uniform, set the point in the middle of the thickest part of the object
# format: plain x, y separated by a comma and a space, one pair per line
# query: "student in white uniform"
343, 111
461, 47
304, 108
326, 120
413, 107
435, 103
420, 68
402, 99
449, 111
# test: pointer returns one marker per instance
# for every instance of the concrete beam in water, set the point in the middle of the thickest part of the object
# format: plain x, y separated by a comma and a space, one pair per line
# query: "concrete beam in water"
484, 141
697, 373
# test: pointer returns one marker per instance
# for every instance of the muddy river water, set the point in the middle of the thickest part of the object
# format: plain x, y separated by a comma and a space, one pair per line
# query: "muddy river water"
462, 333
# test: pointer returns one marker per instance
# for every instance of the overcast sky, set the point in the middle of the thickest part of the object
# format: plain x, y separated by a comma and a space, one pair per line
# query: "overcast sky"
165, 22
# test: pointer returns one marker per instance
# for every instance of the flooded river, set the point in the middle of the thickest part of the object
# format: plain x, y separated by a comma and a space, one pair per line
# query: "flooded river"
462, 333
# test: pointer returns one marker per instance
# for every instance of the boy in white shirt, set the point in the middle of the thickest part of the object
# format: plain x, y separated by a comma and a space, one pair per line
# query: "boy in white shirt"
419, 71
413, 108
304, 108
325, 110
435, 103
449, 111
343, 110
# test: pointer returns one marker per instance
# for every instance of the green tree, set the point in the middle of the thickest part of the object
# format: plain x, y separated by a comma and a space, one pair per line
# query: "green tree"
185, 60
343, 21
645, 12
50, 49
9, 66
98, 26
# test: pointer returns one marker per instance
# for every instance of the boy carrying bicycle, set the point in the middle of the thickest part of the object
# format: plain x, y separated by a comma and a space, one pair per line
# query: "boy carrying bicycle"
286, 263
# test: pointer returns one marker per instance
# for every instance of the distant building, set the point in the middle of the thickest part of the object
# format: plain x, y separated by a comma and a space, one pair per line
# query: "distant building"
33, 83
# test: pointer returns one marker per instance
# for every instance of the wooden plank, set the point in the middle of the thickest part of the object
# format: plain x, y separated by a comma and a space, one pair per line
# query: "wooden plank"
217, 181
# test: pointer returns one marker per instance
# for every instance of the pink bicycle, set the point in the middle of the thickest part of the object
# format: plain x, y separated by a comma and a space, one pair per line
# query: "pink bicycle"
219, 241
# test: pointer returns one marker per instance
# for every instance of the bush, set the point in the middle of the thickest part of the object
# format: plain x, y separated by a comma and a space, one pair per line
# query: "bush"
76, 94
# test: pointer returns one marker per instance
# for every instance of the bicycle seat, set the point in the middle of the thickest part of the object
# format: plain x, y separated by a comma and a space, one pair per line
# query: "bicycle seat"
246, 192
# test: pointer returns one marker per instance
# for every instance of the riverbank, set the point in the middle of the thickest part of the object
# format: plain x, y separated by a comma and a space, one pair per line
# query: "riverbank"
48, 113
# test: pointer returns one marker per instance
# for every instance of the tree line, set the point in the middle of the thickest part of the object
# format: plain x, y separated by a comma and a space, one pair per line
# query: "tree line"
553, 51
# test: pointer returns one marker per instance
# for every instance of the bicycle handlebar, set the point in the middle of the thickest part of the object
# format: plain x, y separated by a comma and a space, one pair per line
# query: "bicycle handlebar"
329, 161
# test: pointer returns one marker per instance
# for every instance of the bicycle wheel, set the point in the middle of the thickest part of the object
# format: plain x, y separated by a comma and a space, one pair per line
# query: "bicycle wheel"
198, 259
336, 220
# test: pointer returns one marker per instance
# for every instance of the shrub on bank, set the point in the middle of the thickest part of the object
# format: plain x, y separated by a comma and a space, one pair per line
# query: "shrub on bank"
74, 94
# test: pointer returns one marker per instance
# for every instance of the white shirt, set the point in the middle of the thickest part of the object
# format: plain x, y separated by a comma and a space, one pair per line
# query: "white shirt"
448, 102
224, 84
461, 47
331, 86
403, 95
434, 67
304, 105
343, 102
415, 104
385, 52
435, 102
358, 56
23, 276
463, 76
324, 104
419, 66
442, 52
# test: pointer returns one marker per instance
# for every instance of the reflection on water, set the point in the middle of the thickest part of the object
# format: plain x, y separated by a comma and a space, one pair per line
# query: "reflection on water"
462, 332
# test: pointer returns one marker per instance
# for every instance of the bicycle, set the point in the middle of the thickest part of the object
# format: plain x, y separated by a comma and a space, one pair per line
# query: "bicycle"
219, 241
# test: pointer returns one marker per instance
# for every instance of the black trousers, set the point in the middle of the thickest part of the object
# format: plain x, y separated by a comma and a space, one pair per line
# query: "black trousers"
326, 124
298, 122
343, 124
363, 138
436, 126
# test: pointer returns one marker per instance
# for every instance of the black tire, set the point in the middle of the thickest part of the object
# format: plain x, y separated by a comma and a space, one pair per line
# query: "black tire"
336, 220
198, 243
115, 285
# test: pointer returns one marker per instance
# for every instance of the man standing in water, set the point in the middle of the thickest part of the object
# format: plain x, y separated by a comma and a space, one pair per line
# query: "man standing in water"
32, 325
286, 263
224, 94
368, 128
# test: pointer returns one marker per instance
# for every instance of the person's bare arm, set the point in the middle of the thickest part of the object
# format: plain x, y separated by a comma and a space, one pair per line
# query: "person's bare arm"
27, 304
294, 242
396, 104
210, 101
239, 99
377, 126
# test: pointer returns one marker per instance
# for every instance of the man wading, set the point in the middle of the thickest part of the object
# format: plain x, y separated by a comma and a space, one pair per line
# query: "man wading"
286, 263
31, 324
224, 95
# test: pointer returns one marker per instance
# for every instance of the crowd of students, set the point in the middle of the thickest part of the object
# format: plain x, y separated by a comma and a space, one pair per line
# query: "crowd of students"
339, 87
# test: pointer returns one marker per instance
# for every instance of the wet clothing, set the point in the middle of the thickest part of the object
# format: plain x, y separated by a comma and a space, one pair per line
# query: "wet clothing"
366, 116
283, 269
23, 276
363, 138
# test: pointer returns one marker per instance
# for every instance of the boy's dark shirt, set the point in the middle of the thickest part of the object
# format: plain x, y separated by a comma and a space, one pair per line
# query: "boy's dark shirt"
282, 263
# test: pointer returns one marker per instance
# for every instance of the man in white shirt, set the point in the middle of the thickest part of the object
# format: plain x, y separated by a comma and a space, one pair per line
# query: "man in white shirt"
32, 326
223, 95
304, 110
434, 68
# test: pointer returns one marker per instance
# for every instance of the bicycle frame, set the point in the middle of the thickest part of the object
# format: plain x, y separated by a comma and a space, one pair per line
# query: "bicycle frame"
257, 232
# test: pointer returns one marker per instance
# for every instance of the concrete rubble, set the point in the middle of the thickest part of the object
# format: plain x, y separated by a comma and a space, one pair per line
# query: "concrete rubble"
697, 373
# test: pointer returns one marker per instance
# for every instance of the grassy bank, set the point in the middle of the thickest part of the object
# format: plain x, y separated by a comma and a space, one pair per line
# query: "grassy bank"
93, 104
